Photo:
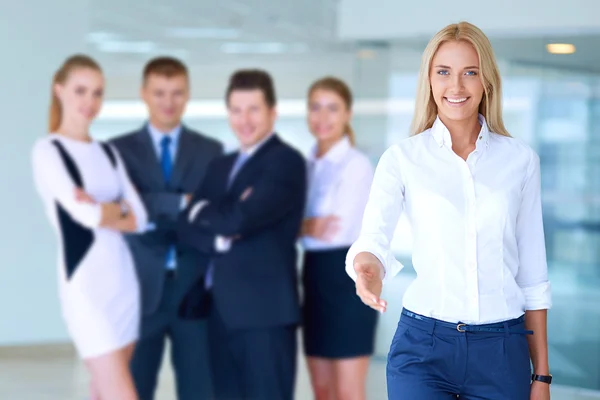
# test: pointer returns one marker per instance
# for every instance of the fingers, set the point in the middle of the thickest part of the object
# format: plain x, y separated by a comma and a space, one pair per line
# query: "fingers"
83, 197
372, 301
246, 194
366, 289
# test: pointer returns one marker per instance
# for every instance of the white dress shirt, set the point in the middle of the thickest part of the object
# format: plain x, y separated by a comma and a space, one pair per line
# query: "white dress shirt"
339, 184
478, 248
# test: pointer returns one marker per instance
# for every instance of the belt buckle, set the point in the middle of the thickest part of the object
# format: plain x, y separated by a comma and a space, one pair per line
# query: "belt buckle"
459, 326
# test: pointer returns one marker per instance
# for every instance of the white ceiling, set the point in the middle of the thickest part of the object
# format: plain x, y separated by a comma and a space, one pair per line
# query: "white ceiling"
294, 39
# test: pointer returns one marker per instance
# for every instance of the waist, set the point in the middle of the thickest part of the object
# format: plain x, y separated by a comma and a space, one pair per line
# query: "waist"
510, 326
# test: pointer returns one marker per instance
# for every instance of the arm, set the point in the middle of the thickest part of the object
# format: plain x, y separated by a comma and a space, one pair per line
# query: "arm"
384, 206
532, 276
280, 190
131, 198
164, 207
51, 174
190, 234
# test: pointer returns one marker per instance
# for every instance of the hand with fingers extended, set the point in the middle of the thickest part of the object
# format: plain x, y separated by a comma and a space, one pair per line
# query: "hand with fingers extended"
369, 280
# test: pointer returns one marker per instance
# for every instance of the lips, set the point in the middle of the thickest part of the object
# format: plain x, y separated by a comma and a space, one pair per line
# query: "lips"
456, 101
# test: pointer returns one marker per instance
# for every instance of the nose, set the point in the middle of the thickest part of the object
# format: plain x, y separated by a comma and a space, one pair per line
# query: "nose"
457, 82
245, 117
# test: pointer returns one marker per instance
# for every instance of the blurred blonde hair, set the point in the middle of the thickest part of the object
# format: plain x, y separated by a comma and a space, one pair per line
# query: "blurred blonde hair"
491, 103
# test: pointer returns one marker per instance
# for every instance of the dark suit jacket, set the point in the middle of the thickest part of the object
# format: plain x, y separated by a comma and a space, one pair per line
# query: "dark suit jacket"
163, 203
255, 282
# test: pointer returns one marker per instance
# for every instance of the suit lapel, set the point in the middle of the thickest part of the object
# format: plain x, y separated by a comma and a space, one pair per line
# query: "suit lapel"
273, 141
184, 156
149, 160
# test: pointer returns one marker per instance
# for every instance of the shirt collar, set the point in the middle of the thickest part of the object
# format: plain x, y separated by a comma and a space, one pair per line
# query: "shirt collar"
158, 135
335, 154
250, 151
441, 134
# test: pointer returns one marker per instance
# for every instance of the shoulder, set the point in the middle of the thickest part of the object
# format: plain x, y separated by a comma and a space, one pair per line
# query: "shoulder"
124, 139
290, 156
514, 148
45, 147
204, 140
358, 162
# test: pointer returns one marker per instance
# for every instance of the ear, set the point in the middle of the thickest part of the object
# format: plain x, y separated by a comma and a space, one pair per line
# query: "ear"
58, 90
274, 113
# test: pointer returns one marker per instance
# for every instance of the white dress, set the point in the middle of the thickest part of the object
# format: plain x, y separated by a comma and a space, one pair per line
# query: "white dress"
98, 286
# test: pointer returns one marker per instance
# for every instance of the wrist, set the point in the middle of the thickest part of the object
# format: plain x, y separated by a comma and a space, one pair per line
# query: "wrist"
545, 379
541, 369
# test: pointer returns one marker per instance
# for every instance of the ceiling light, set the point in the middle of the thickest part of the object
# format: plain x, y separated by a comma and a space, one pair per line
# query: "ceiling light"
99, 37
126, 47
560, 48
263, 48
203, 33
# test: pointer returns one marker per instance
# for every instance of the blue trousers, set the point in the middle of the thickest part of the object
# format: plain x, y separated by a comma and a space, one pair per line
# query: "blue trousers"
435, 360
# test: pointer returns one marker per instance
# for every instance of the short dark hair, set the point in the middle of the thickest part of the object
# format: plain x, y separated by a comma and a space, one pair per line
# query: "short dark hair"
251, 79
165, 66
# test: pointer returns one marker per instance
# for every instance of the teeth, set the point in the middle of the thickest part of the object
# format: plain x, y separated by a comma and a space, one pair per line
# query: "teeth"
456, 100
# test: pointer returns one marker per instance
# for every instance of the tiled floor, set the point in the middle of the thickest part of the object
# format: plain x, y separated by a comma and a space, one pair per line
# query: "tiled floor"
53, 373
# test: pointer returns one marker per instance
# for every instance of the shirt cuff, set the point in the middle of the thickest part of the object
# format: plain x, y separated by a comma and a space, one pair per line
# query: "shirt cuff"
538, 297
183, 204
391, 266
196, 210
222, 244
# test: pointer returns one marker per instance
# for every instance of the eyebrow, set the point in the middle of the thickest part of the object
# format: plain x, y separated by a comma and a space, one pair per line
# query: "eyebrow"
447, 67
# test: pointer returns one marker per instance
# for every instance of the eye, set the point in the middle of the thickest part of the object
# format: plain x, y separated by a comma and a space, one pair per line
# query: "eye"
443, 72
471, 73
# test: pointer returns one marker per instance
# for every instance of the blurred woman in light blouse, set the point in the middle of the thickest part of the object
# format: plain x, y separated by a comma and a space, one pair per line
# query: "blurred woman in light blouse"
476, 313
338, 330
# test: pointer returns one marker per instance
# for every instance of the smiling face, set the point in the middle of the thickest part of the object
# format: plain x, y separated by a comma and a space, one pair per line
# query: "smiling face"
81, 95
455, 82
250, 116
166, 98
328, 115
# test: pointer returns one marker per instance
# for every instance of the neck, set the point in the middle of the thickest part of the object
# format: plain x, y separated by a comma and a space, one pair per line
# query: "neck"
463, 133
75, 131
323, 146
164, 127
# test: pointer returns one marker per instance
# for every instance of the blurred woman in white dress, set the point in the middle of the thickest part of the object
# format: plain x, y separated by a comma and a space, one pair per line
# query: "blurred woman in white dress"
91, 203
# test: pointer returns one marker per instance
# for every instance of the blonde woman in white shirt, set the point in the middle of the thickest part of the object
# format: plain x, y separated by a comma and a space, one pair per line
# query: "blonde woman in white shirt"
476, 314
338, 330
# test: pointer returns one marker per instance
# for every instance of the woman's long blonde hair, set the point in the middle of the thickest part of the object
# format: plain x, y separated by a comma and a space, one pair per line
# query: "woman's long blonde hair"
60, 76
491, 103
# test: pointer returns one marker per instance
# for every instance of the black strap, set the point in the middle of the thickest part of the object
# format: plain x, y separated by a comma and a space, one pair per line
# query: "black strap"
110, 154
69, 164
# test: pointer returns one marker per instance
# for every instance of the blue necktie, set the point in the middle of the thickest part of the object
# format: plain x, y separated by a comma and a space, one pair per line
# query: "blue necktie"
166, 164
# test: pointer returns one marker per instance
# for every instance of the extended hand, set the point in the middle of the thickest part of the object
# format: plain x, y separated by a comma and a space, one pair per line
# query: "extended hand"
369, 280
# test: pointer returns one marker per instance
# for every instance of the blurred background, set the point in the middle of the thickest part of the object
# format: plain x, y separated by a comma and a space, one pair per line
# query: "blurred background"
550, 100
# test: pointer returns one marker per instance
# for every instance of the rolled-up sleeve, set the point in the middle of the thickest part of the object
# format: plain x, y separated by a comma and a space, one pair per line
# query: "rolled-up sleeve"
532, 276
380, 218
